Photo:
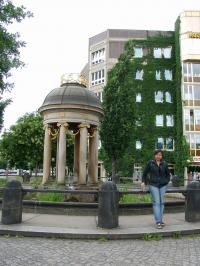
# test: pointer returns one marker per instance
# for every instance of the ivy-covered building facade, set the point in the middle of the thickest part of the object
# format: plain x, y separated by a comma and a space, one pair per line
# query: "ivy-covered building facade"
165, 84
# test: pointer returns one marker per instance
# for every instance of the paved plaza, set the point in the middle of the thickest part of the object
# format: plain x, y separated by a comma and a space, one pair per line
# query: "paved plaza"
26, 251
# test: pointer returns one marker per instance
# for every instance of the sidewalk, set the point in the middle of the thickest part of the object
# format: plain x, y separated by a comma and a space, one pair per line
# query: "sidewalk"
85, 227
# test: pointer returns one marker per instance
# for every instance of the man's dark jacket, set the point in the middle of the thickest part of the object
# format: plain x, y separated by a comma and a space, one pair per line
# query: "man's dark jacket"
155, 175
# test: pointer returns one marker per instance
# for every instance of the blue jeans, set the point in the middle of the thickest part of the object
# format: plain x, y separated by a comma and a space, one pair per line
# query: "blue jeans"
158, 202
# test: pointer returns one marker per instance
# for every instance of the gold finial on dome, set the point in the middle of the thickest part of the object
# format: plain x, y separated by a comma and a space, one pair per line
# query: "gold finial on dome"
73, 78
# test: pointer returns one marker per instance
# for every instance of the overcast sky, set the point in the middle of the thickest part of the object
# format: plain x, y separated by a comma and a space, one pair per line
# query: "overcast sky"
57, 39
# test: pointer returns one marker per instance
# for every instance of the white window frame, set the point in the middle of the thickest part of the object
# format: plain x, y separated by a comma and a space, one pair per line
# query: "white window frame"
163, 143
155, 52
98, 77
139, 74
170, 97
166, 54
158, 119
138, 97
169, 120
168, 74
138, 145
98, 56
158, 75
156, 95
166, 144
140, 53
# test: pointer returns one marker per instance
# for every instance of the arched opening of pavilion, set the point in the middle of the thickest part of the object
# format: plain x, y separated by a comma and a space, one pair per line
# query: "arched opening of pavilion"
72, 108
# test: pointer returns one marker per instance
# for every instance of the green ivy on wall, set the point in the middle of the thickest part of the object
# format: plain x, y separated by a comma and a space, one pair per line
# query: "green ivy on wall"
182, 153
147, 109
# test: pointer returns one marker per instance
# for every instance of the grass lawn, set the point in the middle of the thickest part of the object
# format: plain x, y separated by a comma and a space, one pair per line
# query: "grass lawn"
135, 198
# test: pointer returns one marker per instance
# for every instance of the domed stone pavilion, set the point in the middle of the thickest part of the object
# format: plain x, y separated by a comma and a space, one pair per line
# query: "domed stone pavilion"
72, 108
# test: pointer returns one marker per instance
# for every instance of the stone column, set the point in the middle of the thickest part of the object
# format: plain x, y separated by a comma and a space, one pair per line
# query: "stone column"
62, 153
47, 155
93, 158
76, 157
83, 153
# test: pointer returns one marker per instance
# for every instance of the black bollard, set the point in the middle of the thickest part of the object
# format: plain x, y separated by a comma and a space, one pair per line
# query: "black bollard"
108, 206
192, 203
12, 203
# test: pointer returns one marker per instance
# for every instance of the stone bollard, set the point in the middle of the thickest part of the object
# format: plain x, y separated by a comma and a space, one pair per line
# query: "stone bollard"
192, 203
108, 206
12, 203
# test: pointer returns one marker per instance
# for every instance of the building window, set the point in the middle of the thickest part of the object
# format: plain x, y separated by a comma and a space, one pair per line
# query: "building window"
197, 119
98, 56
162, 52
159, 97
169, 120
138, 98
165, 144
194, 142
139, 74
169, 144
191, 72
158, 75
138, 52
100, 96
189, 120
98, 77
167, 52
160, 143
168, 74
157, 53
191, 95
159, 120
168, 97
138, 145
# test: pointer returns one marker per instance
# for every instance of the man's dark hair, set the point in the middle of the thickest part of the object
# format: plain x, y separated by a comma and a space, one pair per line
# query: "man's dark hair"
158, 151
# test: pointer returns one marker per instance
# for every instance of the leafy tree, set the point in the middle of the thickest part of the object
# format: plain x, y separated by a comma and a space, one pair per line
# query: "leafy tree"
116, 125
10, 45
22, 145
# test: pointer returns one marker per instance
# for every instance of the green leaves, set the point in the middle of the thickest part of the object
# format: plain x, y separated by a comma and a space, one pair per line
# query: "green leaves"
9, 42
23, 143
119, 129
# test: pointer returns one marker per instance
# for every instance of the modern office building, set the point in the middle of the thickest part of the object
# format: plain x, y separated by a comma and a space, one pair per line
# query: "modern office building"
104, 51
190, 57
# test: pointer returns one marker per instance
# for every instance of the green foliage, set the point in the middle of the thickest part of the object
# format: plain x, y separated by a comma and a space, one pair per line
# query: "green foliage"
56, 197
149, 237
120, 129
36, 181
10, 44
116, 126
182, 154
3, 182
22, 145
177, 235
3, 105
135, 198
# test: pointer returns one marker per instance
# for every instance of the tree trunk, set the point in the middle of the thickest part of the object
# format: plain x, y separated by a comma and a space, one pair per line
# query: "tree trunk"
113, 168
36, 170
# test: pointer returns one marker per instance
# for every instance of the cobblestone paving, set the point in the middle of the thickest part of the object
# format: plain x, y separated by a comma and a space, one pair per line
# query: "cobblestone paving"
25, 251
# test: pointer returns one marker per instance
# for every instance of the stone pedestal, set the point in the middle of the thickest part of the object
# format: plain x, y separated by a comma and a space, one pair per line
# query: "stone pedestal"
108, 206
192, 203
12, 203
